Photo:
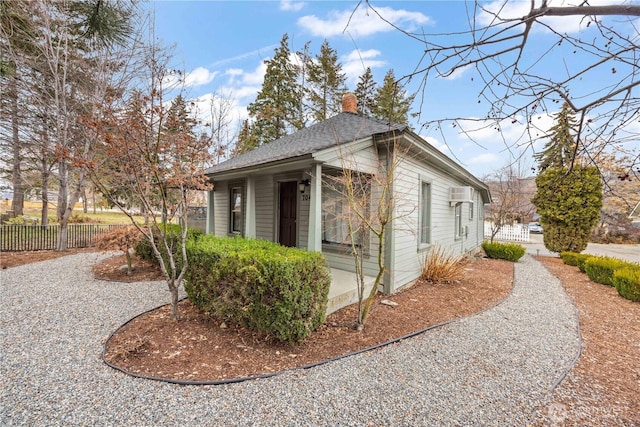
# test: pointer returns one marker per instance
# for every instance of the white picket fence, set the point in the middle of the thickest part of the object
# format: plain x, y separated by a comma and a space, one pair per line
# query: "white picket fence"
513, 233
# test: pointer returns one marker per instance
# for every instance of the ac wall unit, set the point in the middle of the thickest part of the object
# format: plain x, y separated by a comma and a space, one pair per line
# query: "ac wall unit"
461, 194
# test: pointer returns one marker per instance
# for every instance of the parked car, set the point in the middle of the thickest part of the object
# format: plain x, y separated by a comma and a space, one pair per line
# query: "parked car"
535, 227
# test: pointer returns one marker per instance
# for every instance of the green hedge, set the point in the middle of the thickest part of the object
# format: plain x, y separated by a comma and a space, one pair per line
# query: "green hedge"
627, 282
600, 269
509, 251
278, 291
145, 251
575, 259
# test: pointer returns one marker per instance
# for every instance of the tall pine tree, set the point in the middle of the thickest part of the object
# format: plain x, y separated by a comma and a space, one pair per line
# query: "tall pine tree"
392, 102
246, 141
275, 110
560, 150
325, 84
366, 93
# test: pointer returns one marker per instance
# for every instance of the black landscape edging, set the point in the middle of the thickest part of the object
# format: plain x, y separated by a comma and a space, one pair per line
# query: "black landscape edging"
311, 365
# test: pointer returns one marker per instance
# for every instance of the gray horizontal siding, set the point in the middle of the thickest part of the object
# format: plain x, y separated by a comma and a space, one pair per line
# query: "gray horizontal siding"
407, 256
265, 196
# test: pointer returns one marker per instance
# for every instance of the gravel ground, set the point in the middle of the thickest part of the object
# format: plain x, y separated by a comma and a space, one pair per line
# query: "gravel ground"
492, 368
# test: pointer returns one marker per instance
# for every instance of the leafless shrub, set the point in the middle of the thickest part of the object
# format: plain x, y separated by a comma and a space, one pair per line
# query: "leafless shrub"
440, 266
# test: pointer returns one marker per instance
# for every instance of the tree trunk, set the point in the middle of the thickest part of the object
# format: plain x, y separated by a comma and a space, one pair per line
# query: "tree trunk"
175, 315
44, 213
70, 202
63, 198
17, 203
129, 262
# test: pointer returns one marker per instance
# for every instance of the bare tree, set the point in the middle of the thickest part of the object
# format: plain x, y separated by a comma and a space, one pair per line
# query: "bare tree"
620, 190
217, 123
511, 193
151, 154
364, 205
497, 52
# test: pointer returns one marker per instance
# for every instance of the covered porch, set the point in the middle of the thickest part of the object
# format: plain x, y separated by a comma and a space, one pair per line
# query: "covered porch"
288, 203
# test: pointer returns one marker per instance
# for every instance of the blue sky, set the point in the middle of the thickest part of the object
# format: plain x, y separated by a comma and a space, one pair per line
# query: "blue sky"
222, 45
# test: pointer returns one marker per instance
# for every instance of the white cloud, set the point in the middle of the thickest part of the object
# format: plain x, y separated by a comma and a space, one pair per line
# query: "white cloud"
355, 63
362, 22
291, 6
256, 77
200, 76
442, 147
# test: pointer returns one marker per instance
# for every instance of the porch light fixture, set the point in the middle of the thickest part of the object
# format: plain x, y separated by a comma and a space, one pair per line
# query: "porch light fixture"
303, 185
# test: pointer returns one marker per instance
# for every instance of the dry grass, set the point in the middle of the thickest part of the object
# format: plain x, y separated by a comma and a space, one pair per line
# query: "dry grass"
440, 266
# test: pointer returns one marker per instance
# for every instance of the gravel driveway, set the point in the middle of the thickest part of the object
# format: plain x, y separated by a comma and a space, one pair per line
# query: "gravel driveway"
493, 368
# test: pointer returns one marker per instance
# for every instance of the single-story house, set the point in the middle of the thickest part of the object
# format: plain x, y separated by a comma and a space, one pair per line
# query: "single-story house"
279, 192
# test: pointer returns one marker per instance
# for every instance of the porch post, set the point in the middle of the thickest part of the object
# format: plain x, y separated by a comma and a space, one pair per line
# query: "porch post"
250, 210
314, 242
210, 227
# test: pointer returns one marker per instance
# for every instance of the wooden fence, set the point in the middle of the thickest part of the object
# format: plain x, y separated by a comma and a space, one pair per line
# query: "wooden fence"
37, 237
513, 233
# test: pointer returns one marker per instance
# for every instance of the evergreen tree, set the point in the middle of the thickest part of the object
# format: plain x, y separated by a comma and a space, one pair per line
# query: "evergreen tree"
559, 151
366, 93
304, 59
392, 103
568, 202
325, 84
15, 25
275, 110
61, 57
569, 196
246, 141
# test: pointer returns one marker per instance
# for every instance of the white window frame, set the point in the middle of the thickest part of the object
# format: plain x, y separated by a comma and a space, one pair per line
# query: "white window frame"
458, 220
236, 225
425, 214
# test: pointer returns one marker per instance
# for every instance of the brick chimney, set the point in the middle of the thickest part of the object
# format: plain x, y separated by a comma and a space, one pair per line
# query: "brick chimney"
349, 103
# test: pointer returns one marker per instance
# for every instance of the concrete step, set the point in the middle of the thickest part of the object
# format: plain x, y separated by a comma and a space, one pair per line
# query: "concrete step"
343, 290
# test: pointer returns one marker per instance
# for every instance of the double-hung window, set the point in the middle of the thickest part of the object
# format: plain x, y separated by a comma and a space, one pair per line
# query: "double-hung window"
235, 210
425, 213
458, 220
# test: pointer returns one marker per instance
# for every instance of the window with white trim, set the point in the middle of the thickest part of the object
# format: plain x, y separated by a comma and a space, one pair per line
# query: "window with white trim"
425, 213
235, 210
458, 220
337, 212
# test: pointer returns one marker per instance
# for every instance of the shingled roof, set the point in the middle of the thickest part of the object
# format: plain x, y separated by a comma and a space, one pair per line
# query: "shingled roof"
340, 129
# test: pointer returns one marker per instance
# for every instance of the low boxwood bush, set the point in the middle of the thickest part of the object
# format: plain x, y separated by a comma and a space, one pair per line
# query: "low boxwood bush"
574, 258
509, 251
627, 282
600, 269
277, 291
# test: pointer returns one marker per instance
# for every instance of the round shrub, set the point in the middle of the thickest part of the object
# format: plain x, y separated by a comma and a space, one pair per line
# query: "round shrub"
277, 291
509, 251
